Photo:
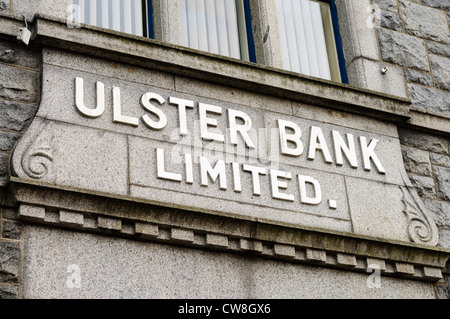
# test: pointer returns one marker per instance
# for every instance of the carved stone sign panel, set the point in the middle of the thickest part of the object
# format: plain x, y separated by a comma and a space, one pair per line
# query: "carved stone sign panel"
180, 142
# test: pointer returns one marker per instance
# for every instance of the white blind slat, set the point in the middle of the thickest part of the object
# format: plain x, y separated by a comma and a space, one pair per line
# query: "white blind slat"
302, 53
232, 29
192, 24
213, 38
82, 11
310, 41
127, 17
210, 25
105, 14
282, 34
202, 30
115, 18
138, 27
119, 15
302, 37
291, 38
222, 28
321, 47
92, 12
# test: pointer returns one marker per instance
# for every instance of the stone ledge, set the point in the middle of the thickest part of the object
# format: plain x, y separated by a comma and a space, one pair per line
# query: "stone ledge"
157, 55
430, 121
42, 204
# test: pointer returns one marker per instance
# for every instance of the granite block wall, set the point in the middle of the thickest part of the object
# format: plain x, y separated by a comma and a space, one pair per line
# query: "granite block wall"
414, 35
19, 98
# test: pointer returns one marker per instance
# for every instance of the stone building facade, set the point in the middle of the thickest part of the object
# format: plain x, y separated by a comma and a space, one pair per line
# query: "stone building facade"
81, 216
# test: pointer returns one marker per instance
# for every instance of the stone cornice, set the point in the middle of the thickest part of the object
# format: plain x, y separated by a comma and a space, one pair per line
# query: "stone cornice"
121, 216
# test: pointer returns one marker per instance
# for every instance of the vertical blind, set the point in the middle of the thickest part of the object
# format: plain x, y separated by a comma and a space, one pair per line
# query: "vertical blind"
210, 25
302, 38
119, 15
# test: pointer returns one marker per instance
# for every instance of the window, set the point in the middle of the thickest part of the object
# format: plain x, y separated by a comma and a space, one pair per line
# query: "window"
308, 29
216, 26
309, 43
127, 16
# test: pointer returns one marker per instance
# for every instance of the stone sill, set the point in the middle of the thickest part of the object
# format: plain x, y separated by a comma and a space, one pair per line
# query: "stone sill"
121, 47
125, 217
429, 120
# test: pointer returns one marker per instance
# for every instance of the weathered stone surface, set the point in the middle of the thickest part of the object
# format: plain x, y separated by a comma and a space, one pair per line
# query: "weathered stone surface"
429, 98
15, 116
425, 22
403, 49
19, 84
6, 55
439, 48
177, 272
442, 175
440, 4
11, 230
57, 9
8, 213
440, 210
4, 5
417, 161
73, 155
392, 82
440, 159
390, 5
423, 141
4, 168
109, 223
71, 218
7, 140
9, 292
418, 77
424, 185
353, 21
444, 238
390, 20
9, 262
441, 70
366, 209
13, 53
442, 292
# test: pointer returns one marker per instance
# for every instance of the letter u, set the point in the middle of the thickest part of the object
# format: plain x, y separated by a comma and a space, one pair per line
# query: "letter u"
79, 99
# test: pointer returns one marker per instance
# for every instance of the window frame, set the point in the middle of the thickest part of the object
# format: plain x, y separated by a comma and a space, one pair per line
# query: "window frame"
304, 58
249, 31
244, 25
149, 30
338, 40
148, 23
